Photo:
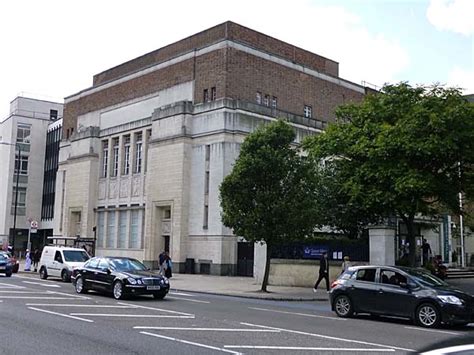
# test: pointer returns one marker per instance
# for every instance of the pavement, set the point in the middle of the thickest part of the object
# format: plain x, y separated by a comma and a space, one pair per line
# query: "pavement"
235, 286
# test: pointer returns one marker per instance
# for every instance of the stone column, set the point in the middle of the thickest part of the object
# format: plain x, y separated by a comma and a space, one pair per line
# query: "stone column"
382, 245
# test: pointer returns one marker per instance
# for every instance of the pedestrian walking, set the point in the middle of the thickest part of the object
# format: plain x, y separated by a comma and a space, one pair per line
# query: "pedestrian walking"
426, 250
168, 266
345, 264
36, 259
323, 272
161, 262
28, 260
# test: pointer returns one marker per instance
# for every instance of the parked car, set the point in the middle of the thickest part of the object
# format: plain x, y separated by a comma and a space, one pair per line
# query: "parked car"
13, 261
59, 261
119, 276
401, 292
5, 265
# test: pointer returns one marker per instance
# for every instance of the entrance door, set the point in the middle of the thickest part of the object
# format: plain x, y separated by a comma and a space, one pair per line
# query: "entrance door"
245, 259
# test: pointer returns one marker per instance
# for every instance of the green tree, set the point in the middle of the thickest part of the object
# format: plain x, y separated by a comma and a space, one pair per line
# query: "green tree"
405, 151
268, 196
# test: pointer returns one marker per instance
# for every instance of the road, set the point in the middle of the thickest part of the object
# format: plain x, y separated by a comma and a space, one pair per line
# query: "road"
48, 317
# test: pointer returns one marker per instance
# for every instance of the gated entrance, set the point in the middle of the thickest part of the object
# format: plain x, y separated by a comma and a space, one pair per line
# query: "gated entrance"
245, 259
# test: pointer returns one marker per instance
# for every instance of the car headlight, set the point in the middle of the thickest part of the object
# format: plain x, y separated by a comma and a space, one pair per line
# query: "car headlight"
450, 300
139, 281
132, 281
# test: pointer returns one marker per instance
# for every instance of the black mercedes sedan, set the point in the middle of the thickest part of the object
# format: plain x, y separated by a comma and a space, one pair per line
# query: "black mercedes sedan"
400, 292
119, 276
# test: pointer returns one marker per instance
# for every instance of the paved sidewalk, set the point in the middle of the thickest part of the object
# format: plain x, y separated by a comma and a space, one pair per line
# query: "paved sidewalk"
234, 286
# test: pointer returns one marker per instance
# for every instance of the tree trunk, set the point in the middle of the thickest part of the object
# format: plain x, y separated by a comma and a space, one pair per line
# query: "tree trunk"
267, 270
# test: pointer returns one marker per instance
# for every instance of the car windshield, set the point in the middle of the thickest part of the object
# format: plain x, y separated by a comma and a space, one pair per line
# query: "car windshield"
77, 256
127, 265
425, 278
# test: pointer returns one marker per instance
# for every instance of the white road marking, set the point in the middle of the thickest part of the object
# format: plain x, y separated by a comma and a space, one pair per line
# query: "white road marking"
75, 305
41, 284
70, 295
191, 343
2, 285
328, 337
187, 299
305, 348
297, 314
156, 309
432, 330
181, 294
36, 279
37, 298
129, 315
61, 315
24, 292
211, 329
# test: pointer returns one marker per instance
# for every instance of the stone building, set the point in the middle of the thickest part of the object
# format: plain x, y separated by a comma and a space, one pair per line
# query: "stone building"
146, 147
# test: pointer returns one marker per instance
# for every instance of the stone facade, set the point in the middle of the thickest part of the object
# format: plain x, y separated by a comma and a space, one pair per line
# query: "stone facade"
148, 145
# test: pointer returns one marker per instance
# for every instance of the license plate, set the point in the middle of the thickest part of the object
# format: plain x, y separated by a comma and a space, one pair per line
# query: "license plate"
151, 288
2, 267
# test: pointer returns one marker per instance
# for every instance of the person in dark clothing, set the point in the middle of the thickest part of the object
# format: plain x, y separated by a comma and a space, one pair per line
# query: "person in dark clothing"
323, 272
426, 249
161, 261
36, 259
168, 266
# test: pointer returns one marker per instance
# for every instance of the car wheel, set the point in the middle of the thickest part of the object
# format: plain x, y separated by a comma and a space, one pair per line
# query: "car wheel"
159, 296
65, 276
8, 274
343, 306
427, 315
43, 273
118, 290
79, 286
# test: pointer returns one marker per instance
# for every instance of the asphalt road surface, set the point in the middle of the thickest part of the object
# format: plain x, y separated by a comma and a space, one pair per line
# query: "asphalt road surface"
48, 317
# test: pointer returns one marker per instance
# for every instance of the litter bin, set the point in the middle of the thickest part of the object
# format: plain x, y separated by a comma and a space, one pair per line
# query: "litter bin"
189, 266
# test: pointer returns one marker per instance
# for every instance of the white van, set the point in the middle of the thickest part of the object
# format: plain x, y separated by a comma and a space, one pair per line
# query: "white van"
59, 261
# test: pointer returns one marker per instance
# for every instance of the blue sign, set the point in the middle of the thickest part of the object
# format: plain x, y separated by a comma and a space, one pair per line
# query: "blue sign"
314, 251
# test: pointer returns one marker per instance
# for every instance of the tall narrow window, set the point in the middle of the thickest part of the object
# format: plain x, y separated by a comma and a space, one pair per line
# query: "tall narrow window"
115, 157
126, 155
205, 223
266, 100
213, 93
205, 95
21, 165
308, 111
21, 203
53, 115
23, 134
105, 158
134, 237
122, 238
111, 229
274, 102
100, 229
258, 98
138, 153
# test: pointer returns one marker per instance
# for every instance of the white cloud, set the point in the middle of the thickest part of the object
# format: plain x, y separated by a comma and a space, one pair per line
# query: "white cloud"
462, 78
54, 47
452, 15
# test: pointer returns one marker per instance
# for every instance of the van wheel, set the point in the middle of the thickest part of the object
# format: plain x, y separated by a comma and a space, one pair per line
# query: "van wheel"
43, 273
65, 276
118, 290
427, 315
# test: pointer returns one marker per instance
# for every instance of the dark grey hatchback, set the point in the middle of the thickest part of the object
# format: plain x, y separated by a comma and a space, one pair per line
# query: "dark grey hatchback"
401, 292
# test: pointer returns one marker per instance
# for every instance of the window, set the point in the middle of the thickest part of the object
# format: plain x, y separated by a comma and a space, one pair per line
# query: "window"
365, 275
100, 228
259, 98
138, 153
21, 197
23, 134
266, 100
105, 158
53, 115
392, 277
308, 111
111, 229
122, 238
126, 155
205, 224
58, 257
205, 96
167, 214
115, 156
213, 93
134, 238
21, 164
274, 102
208, 152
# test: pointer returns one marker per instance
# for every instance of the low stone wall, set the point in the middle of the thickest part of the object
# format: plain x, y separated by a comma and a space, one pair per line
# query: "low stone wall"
303, 273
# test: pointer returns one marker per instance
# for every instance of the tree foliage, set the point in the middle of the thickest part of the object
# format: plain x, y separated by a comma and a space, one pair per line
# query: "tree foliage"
268, 196
405, 151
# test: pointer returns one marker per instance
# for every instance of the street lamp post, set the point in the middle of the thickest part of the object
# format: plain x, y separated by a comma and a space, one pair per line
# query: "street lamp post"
17, 145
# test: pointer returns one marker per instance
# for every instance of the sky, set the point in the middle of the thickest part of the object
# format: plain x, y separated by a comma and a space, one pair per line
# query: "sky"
50, 49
